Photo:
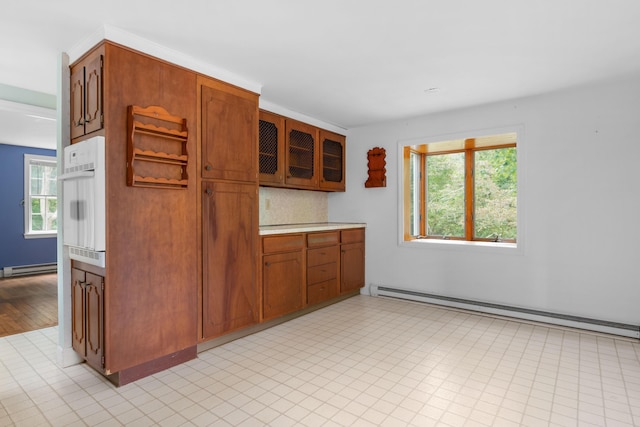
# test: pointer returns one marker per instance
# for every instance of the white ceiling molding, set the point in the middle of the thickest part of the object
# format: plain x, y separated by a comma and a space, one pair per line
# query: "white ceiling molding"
275, 108
125, 38
117, 35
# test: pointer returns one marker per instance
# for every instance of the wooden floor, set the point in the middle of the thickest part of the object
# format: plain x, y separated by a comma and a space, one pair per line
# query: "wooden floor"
28, 303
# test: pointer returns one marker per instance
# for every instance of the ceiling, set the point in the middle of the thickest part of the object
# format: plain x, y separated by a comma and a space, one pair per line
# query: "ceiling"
27, 125
349, 63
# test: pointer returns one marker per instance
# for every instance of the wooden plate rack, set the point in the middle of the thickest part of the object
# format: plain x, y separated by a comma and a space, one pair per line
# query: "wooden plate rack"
156, 148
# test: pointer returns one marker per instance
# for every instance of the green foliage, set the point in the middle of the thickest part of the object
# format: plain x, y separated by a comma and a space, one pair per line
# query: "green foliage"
445, 195
44, 215
495, 194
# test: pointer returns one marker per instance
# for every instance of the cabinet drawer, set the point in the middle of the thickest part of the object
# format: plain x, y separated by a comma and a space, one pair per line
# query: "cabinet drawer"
322, 273
323, 239
322, 291
292, 242
321, 256
353, 235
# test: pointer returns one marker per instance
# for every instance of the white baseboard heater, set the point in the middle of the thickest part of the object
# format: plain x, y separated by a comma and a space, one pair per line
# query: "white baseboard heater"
559, 319
24, 270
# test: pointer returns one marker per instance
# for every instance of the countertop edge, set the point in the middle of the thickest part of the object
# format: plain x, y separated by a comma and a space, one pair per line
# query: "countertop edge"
266, 230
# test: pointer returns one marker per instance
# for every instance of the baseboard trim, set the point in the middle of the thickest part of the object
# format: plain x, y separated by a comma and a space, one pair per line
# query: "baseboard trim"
143, 370
560, 319
25, 270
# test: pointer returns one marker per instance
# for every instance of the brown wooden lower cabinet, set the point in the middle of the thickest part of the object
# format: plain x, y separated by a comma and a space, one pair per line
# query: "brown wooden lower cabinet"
230, 250
351, 260
305, 269
87, 314
323, 260
282, 277
352, 267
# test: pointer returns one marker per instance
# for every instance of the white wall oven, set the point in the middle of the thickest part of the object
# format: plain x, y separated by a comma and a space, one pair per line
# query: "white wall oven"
83, 230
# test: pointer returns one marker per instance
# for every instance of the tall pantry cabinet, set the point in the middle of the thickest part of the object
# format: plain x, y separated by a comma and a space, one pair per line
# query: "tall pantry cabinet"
228, 137
149, 293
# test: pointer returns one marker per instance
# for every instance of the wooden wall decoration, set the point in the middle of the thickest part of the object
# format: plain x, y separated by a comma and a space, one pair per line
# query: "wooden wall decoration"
157, 148
377, 172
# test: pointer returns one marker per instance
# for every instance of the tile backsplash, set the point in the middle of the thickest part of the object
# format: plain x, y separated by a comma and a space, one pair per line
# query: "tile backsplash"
287, 206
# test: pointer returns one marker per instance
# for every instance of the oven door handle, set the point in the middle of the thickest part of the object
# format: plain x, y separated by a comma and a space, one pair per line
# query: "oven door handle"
76, 175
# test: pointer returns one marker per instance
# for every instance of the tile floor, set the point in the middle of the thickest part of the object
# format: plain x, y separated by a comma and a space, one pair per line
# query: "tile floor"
365, 361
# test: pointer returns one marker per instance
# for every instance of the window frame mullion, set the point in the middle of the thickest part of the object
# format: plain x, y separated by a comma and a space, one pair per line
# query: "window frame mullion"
469, 198
423, 194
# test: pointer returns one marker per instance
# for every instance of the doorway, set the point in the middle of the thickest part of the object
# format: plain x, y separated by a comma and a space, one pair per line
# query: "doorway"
28, 303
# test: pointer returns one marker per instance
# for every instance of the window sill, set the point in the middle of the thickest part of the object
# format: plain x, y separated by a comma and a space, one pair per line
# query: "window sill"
41, 235
463, 245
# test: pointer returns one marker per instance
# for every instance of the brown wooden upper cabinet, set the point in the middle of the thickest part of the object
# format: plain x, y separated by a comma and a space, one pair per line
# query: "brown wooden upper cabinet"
301, 158
228, 132
332, 161
271, 148
293, 154
86, 95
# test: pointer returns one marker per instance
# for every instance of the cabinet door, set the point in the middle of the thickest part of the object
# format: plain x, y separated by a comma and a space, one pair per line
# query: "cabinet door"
94, 320
93, 95
271, 148
282, 282
229, 132
86, 97
352, 267
230, 244
332, 153
301, 154
78, 315
77, 101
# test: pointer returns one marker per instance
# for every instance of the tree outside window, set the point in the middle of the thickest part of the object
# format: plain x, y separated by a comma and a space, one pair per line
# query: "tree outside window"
462, 189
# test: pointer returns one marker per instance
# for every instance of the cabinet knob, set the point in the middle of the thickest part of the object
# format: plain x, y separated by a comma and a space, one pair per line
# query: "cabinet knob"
267, 264
208, 191
208, 167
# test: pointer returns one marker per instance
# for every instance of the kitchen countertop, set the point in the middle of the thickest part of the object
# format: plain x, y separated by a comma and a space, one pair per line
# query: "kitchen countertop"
307, 227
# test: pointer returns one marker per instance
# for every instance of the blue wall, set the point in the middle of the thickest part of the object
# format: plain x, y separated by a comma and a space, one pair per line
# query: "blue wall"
14, 248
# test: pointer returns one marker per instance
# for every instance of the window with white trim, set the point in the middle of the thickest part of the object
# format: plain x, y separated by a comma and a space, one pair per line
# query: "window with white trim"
40, 196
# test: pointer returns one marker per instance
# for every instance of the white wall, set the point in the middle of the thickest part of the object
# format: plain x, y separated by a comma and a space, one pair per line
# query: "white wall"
580, 196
